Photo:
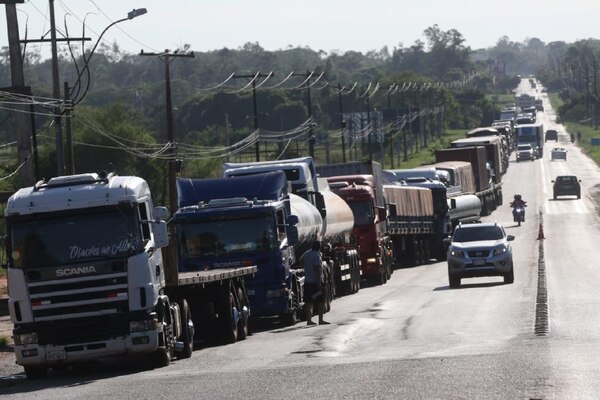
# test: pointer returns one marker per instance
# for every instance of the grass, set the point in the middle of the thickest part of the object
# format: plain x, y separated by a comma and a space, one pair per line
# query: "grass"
587, 132
4, 341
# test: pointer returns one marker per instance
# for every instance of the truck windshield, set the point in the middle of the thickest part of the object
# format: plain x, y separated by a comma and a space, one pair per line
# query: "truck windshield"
477, 234
363, 212
227, 237
68, 239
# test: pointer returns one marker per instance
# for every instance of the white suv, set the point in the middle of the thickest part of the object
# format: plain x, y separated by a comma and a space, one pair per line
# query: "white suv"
480, 250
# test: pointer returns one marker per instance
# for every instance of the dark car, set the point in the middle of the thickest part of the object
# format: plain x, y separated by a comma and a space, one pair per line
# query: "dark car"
551, 134
566, 185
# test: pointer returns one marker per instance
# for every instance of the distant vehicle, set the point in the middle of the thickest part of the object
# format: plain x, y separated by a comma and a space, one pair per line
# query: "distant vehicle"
478, 250
525, 152
539, 104
525, 119
566, 185
551, 134
558, 153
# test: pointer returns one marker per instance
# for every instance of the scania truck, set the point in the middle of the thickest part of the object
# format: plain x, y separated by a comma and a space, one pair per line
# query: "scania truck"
86, 276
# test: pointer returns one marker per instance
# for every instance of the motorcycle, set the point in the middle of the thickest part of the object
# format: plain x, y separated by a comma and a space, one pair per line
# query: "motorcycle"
519, 214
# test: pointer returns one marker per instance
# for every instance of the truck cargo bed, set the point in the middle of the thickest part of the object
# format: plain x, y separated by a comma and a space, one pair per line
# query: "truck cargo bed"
213, 275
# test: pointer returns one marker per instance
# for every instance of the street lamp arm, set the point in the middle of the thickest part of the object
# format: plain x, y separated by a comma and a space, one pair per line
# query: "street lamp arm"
130, 15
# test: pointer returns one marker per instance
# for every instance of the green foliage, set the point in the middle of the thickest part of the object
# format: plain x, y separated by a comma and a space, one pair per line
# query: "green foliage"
4, 341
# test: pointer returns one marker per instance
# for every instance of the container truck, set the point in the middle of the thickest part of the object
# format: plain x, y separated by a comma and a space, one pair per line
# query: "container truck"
532, 134
411, 223
488, 191
87, 279
496, 156
339, 248
360, 185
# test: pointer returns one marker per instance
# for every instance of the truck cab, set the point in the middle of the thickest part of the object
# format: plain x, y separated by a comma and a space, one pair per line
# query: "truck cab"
85, 269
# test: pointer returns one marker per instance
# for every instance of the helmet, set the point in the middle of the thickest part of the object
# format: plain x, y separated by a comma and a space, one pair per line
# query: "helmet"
517, 197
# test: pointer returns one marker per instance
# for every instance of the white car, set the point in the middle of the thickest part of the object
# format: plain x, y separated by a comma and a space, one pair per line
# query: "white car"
525, 152
558, 153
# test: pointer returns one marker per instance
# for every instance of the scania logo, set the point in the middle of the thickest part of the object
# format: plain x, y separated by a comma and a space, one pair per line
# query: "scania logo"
75, 271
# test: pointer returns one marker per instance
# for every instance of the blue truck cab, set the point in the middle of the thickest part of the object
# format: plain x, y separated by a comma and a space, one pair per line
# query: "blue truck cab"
237, 222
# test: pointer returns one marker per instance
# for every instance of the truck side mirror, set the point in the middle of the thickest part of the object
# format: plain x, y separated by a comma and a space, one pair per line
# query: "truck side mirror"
292, 235
392, 209
161, 212
381, 213
320, 204
292, 220
161, 234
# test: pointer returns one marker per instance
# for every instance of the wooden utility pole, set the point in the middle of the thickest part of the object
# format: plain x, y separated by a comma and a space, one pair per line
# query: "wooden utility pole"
254, 105
22, 126
167, 57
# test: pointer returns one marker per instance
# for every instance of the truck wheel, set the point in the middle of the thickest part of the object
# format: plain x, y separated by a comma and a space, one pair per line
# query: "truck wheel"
187, 331
229, 323
510, 276
163, 355
36, 372
243, 321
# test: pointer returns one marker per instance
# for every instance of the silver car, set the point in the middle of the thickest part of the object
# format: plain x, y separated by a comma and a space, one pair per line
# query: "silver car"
525, 152
480, 250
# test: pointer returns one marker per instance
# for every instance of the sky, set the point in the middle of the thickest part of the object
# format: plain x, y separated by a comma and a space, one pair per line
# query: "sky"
328, 25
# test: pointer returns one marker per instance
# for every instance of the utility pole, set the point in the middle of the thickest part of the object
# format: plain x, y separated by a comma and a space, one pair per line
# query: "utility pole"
254, 105
60, 167
369, 127
68, 108
391, 144
342, 123
167, 57
18, 82
311, 135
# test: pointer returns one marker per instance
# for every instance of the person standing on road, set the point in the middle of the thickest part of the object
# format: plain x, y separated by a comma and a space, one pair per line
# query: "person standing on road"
313, 283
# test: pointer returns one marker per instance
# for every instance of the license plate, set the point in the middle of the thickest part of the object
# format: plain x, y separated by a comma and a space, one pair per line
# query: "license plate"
479, 262
56, 355
250, 292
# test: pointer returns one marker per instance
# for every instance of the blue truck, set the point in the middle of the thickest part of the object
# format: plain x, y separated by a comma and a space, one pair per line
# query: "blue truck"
322, 215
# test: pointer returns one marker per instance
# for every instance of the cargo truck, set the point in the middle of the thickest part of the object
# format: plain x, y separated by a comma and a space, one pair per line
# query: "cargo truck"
485, 188
87, 279
532, 134
339, 247
411, 223
360, 185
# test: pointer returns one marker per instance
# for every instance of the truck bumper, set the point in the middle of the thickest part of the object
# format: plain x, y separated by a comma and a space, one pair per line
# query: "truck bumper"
137, 343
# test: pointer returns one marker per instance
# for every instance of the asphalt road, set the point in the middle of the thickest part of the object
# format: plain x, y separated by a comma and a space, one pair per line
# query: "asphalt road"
414, 338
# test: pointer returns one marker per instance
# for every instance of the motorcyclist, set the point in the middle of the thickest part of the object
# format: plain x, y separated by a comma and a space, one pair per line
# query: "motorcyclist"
518, 202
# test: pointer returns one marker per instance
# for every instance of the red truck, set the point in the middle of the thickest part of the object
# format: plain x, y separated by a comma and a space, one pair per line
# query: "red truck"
360, 185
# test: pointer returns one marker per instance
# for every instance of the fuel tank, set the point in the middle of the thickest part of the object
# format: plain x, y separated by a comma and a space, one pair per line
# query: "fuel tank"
310, 223
339, 219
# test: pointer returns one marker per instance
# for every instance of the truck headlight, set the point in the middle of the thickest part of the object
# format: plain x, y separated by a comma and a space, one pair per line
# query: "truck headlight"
139, 326
26, 338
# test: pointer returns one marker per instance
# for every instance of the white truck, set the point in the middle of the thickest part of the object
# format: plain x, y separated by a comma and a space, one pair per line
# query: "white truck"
86, 276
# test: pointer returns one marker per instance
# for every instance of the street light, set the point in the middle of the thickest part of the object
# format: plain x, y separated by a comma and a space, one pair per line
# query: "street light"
136, 12
130, 15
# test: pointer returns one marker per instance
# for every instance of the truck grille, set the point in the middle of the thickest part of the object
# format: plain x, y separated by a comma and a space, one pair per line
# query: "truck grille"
92, 295
82, 330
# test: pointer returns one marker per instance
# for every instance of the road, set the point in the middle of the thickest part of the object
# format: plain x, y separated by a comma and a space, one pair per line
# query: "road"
415, 338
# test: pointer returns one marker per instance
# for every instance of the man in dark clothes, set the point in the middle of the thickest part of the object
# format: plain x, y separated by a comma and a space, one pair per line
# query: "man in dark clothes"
313, 283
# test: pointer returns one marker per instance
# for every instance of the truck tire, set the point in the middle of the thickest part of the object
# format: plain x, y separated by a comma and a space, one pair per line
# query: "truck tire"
229, 325
163, 355
35, 372
187, 331
510, 276
243, 329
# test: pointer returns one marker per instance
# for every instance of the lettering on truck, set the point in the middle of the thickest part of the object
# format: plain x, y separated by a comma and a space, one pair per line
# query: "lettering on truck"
75, 271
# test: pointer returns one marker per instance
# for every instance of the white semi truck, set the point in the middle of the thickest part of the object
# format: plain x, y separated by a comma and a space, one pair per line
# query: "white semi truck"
86, 276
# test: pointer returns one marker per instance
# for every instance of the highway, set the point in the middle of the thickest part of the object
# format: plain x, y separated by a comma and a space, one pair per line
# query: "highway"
415, 338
